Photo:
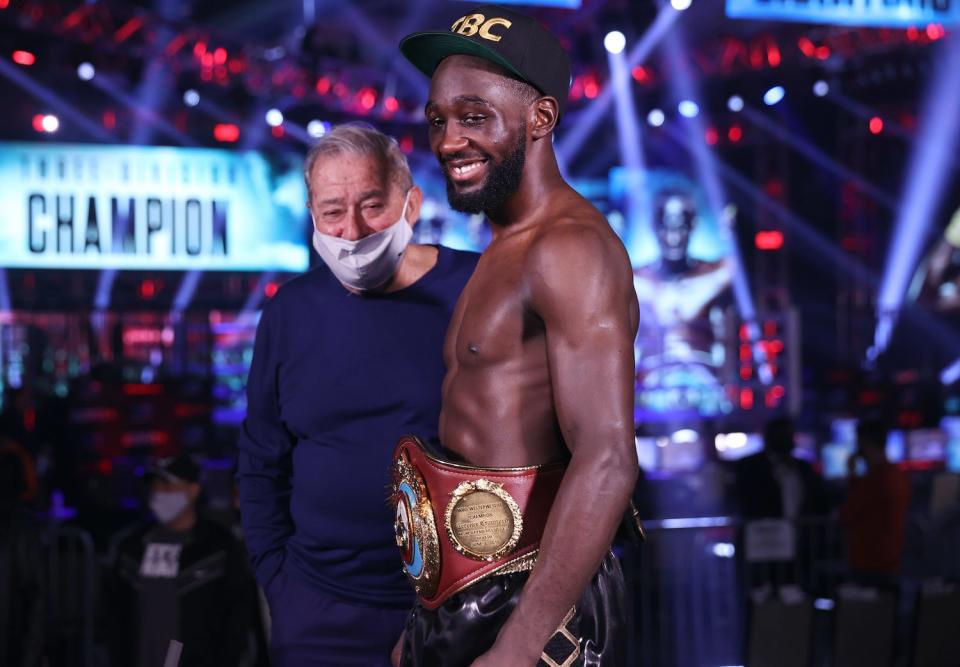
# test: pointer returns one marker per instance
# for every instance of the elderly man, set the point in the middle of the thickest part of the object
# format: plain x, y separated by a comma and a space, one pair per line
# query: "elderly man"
348, 357
537, 418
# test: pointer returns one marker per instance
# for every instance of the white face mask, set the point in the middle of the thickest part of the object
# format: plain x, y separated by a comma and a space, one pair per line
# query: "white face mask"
366, 263
168, 505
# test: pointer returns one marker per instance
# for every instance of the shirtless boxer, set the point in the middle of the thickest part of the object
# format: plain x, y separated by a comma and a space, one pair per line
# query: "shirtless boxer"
540, 370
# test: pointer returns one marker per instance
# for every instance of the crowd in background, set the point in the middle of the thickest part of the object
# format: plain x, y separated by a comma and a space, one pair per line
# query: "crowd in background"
212, 592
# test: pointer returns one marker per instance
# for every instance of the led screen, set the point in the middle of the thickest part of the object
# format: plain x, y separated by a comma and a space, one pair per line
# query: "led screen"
147, 207
894, 13
683, 273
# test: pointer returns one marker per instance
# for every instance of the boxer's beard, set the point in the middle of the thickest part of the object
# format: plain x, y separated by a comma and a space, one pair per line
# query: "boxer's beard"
502, 181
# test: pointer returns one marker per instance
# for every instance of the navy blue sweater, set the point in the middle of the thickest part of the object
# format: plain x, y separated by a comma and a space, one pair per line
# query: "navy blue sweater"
336, 379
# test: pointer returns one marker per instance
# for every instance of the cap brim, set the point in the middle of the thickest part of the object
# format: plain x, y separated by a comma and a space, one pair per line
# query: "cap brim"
426, 49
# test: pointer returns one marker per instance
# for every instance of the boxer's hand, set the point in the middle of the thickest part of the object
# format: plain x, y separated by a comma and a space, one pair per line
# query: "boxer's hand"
397, 651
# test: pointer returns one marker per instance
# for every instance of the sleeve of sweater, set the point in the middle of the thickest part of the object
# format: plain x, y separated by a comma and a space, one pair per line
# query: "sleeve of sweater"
265, 455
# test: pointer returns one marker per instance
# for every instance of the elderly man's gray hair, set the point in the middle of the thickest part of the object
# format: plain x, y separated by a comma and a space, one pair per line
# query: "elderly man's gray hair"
361, 139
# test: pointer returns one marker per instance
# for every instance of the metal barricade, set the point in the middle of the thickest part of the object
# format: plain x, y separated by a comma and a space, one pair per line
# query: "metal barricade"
691, 582
71, 594
685, 584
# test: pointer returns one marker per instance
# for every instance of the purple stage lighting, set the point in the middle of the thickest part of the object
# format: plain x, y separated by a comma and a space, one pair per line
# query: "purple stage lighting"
927, 175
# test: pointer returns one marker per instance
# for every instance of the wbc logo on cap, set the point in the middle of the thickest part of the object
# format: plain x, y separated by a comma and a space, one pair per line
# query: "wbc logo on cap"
478, 24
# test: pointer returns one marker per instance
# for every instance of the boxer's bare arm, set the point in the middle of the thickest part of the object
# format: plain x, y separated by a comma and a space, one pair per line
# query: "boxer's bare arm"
579, 283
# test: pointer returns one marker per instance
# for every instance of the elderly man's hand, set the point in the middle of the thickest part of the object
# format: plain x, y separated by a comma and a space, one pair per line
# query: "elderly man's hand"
397, 651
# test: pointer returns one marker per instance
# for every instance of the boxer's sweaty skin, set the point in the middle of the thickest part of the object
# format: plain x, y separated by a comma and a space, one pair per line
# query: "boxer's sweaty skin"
540, 348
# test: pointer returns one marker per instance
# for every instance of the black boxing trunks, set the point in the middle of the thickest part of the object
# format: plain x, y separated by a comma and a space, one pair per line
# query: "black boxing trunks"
468, 538
594, 633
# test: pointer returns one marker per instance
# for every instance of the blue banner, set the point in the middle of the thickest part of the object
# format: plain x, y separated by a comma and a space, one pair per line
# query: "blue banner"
143, 207
892, 13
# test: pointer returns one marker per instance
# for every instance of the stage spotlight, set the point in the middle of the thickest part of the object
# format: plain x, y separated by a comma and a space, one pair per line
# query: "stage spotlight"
191, 97
735, 104
928, 177
274, 118
774, 96
821, 88
656, 118
951, 373
317, 128
680, 5
876, 125
688, 109
50, 123
86, 71
614, 42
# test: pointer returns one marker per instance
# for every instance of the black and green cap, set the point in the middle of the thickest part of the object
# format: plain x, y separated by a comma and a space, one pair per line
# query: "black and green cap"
514, 41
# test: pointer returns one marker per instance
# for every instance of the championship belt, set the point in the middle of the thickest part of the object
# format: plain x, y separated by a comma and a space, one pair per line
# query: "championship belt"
457, 524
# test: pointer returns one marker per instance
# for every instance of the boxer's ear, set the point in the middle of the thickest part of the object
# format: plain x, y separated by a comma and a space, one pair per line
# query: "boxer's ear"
546, 112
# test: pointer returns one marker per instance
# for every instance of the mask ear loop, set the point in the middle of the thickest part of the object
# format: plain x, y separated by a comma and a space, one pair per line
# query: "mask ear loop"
403, 213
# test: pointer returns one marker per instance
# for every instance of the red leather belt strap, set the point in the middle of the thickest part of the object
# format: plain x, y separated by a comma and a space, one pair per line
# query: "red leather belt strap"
457, 524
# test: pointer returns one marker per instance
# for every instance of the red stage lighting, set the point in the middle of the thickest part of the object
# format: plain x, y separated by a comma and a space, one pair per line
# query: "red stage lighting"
876, 125
773, 54
712, 136
127, 30
110, 119
367, 99
746, 398
590, 88
277, 131
4, 4
24, 58
391, 104
38, 122
823, 52
220, 56
770, 239
406, 143
270, 289
640, 74
323, 85
226, 132
735, 134
148, 289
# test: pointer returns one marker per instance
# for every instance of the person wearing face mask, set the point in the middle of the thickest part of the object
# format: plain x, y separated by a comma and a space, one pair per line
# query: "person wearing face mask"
348, 357
181, 577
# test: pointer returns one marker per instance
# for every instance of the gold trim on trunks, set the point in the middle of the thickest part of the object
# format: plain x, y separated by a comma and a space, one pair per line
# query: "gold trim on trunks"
564, 631
414, 528
483, 521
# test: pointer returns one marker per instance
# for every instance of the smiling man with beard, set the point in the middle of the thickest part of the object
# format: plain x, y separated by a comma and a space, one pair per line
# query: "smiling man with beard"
506, 537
